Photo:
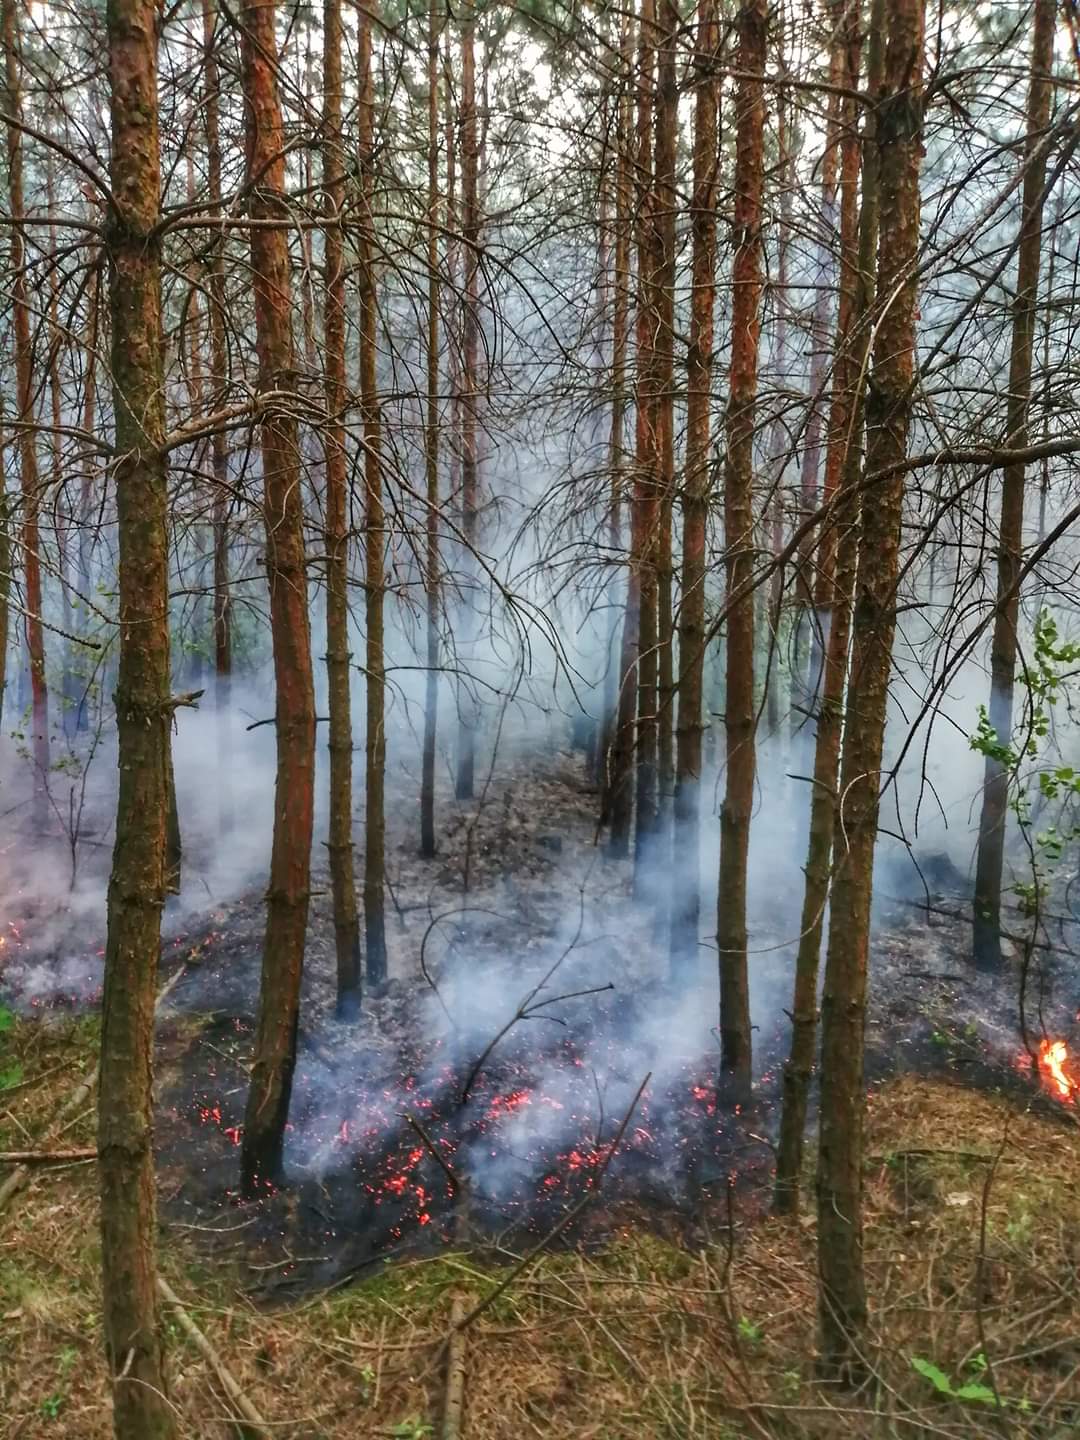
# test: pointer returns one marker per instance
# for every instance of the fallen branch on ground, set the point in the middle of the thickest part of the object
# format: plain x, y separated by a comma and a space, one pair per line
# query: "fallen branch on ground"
47, 1157
73, 1106
454, 1401
253, 1422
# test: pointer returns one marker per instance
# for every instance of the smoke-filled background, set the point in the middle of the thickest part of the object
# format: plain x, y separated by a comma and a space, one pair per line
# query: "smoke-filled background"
530, 617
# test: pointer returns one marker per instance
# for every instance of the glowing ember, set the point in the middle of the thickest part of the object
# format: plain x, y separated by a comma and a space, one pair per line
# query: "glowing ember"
1053, 1055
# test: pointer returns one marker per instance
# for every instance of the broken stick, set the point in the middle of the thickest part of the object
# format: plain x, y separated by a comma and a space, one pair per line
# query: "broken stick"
73, 1106
253, 1423
454, 1401
47, 1157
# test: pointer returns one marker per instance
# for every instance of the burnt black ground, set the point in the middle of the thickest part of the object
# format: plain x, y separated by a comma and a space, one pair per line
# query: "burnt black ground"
534, 1133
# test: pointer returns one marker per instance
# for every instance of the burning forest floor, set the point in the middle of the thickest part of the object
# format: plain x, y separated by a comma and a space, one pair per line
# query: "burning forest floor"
472, 1114
973, 1208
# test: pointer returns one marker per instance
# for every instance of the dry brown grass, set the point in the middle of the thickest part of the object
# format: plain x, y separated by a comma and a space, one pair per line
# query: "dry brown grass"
641, 1340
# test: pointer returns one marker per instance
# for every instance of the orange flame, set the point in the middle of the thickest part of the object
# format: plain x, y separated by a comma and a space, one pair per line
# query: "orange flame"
1052, 1057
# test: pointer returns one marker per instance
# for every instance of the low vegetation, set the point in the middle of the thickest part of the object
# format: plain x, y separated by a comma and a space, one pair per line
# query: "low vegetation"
973, 1208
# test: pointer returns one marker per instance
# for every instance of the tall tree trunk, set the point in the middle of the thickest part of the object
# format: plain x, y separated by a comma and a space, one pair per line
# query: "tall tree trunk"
778, 443
69, 684
807, 637
24, 412
195, 382
290, 856
174, 849
843, 464
340, 842
696, 491
842, 1291
739, 717
617, 444
1003, 646
431, 450
86, 488
5, 563
470, 234
621, 770
141, 1410
218, 442
646, 478
374, 531
667, 127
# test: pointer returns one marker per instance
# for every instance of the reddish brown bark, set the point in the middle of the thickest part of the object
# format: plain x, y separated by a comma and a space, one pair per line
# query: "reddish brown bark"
470, 395
290, 858
141, 1410
339, 841
431, 450
1003, 646
619, 246
374, 534
29, 480
778, 434
619, 799
222, 618
86, 480
842, 1293
667, 126
645, 539
858, 249
696, 490
739, 715
5, 564
807, 639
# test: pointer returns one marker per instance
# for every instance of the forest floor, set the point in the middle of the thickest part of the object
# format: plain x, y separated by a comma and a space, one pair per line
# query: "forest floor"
678, 1308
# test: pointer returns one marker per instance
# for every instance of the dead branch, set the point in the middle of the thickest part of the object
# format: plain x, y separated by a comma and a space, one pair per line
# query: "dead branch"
455, 1180
253, 1422
73, 1106
47, 1157
557, 1229
454, 1400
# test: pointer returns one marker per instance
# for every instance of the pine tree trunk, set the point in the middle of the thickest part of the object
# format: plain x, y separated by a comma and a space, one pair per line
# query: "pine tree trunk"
218, 441
5, 580
5, 563
620, 289
667, 125
69, 685
646, 539
807, 646
842, 1292
86, 490
340, 841
24, 413
192, 364
739, 716
374, 534
431, 451
843, 465
696, 491
778, 442
470, 234
290, 857
141, 1410
1003, 647
174, 849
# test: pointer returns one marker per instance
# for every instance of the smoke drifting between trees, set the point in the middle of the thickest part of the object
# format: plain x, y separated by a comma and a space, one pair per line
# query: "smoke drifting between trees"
684, 392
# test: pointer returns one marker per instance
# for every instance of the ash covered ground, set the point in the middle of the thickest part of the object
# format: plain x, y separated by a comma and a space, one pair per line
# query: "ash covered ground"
410, 1130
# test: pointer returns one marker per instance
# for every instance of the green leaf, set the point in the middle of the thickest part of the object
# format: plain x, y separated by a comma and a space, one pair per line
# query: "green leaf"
7, 1018
11, 1076
929, 1371
974, 1391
